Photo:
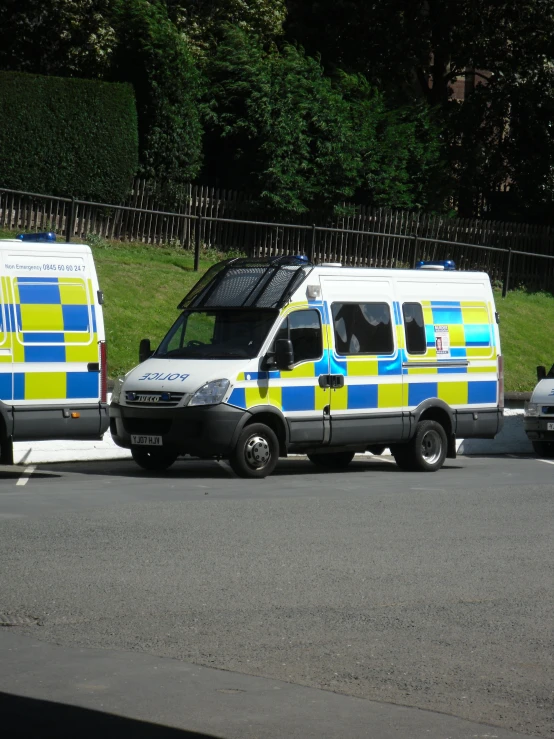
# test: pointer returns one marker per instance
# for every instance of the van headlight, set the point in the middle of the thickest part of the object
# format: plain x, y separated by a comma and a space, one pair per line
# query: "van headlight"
531, 409
116, 392
211, 393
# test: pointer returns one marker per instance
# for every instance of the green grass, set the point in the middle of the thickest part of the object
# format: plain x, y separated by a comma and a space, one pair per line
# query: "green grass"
526, 336
144, 284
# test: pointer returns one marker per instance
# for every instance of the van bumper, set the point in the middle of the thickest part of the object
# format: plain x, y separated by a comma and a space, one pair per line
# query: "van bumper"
536, 428
203, 431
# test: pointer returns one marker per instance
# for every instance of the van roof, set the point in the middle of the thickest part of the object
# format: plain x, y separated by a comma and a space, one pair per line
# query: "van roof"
46, 246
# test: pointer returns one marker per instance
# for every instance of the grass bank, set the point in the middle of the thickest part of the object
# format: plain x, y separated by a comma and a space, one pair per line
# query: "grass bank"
143, 285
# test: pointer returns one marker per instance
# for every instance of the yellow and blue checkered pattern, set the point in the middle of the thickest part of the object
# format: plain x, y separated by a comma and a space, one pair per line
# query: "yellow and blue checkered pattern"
48, 323
388, 382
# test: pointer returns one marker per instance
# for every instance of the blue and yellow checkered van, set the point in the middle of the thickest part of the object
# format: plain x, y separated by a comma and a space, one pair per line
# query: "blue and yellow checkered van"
273, 357
52, 344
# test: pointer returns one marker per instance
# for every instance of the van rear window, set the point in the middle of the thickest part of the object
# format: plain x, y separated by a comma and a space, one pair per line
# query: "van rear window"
414, 328
362, 328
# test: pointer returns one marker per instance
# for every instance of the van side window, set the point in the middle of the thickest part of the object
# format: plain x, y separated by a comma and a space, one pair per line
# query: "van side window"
414, 328
362, 328
303, 328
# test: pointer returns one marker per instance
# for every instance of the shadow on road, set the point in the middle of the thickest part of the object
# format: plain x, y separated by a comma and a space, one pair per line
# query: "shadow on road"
30, 718
211, 469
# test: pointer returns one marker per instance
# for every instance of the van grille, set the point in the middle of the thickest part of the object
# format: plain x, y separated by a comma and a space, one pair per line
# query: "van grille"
156, 399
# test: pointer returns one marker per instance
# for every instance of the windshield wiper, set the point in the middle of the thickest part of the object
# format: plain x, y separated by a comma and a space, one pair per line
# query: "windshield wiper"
226, 355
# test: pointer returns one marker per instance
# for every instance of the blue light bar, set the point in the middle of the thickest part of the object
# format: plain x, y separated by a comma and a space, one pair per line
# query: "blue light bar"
440, 264
37, 237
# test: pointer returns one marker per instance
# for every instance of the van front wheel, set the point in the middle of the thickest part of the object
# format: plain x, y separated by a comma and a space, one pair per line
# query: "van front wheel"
544, 448
154, 460
426, 451
256, 452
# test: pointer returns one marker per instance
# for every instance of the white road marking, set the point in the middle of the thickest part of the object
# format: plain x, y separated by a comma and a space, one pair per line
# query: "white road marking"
26, 476
546, 461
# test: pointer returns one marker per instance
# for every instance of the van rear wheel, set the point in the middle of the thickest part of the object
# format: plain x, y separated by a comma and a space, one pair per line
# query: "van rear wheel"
256, 452
332, 461
426, 451
154, 460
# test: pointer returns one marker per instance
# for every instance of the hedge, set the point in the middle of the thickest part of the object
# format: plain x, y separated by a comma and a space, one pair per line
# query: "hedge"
68, 137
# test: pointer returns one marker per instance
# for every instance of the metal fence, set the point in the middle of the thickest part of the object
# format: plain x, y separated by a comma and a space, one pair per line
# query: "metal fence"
372, 238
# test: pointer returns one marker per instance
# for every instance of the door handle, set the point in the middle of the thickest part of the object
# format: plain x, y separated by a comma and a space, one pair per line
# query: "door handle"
331, 381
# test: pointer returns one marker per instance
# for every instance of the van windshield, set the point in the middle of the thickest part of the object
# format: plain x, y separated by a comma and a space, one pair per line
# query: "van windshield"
217, 334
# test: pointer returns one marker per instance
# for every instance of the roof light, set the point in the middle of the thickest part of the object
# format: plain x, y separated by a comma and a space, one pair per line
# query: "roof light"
37, 237
438, 265
302, 257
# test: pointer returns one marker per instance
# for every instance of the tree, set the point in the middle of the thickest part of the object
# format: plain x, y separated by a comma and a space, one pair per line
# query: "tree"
203, 21
70, 38
279, 127
417, 48
153, 56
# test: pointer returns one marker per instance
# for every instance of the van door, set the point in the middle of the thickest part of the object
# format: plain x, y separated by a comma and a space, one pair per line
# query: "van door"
367, 396
299, 392
6, 358
55, 346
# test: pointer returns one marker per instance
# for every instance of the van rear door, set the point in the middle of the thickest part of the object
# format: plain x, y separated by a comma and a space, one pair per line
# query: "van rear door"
55, 342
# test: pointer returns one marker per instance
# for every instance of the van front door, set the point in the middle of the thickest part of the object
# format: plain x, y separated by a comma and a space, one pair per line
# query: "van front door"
303, 398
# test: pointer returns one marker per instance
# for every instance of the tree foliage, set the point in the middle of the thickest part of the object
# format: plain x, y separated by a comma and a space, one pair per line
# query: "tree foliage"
417, 48
60, 37
204, 21
282, 128
154, 57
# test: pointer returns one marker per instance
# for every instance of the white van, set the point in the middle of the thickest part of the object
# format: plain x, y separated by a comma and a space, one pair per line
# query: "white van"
269, 357
52, 344
539, 414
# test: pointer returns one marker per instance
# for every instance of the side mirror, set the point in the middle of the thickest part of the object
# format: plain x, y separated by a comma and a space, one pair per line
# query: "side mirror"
541, 373
145, 352
284, 354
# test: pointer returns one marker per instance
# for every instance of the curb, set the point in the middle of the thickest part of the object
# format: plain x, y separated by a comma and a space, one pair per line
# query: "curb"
511, 440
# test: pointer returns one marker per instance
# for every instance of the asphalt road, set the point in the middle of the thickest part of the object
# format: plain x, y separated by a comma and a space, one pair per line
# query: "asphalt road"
426, 590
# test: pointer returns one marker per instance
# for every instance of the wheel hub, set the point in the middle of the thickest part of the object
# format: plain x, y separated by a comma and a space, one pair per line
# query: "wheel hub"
431, 447
257, 452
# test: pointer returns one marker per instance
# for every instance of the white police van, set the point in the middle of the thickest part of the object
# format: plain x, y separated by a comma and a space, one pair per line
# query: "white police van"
539, 414
278, 356
52, 343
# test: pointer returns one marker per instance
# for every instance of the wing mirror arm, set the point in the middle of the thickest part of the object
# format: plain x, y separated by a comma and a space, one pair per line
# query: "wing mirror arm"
145, 350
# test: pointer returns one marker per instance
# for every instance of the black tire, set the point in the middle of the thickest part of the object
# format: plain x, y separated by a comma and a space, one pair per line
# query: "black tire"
153, 460
256, 452
332, 461
544, 449
426, 451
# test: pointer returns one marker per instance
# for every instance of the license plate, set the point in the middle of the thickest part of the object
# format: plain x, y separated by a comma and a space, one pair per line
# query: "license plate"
145, 440
550, 426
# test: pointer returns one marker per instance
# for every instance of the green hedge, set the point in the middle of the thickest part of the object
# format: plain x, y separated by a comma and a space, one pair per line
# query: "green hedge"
68, 137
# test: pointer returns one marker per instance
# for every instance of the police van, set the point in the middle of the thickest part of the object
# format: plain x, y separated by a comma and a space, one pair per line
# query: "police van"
278, 356
539, 414
53, 380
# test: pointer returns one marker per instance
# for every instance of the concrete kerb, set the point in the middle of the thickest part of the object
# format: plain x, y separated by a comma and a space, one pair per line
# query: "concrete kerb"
511, 440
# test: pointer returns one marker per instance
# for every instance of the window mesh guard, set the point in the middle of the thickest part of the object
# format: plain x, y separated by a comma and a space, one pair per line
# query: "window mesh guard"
248, 283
